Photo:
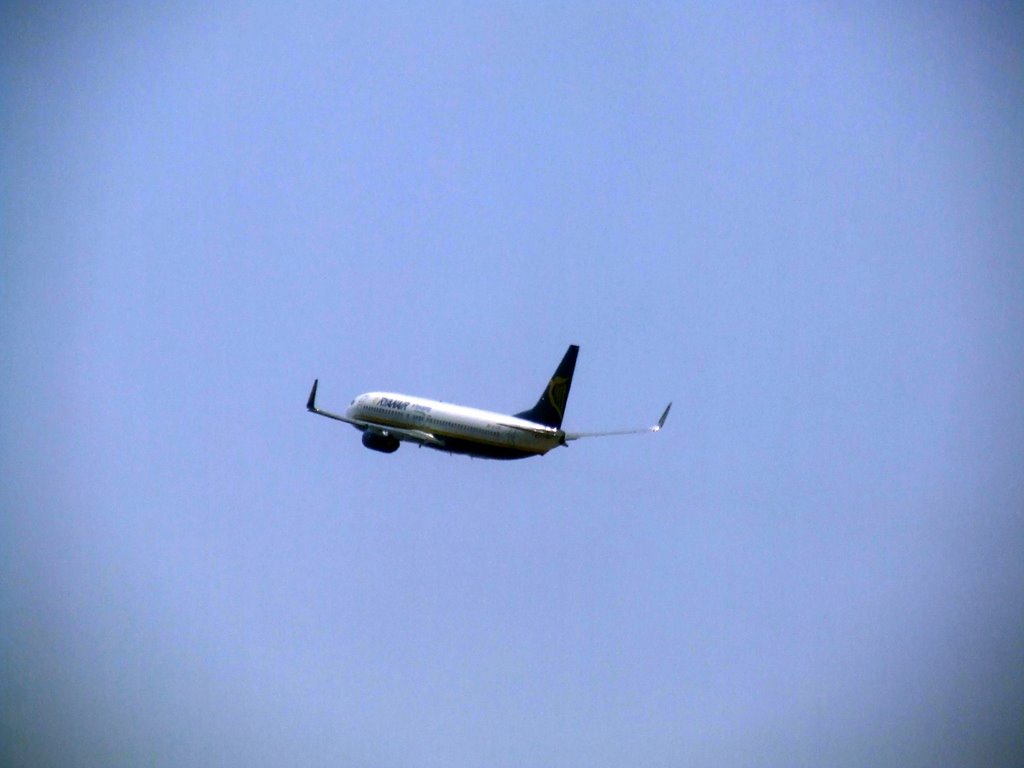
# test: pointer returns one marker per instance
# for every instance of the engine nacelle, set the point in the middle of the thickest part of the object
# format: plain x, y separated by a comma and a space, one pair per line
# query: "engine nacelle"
378, 442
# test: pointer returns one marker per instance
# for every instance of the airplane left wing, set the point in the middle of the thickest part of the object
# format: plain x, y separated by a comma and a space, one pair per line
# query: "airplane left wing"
656, 428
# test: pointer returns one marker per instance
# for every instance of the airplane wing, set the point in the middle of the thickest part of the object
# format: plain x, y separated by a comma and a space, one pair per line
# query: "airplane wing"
656, 428
411, 435
311, 407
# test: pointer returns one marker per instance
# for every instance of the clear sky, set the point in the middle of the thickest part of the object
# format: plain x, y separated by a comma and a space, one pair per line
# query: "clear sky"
802, 222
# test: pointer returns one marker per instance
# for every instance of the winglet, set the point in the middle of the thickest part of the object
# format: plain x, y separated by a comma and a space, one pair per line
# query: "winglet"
311, 403
312, 408
661, 421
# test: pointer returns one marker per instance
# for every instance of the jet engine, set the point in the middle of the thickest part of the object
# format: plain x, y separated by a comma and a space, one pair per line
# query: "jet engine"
375, 441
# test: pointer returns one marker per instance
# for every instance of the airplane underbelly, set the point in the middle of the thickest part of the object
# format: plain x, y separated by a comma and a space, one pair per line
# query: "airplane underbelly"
503, 449
528, 442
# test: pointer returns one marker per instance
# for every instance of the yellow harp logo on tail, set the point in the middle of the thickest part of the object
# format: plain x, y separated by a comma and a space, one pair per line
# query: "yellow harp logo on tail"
558, 391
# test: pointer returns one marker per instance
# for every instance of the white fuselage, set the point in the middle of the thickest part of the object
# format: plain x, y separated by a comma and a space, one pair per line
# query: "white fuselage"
457, 428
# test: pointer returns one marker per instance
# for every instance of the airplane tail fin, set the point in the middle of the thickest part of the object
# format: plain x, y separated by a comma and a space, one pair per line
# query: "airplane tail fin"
550, 409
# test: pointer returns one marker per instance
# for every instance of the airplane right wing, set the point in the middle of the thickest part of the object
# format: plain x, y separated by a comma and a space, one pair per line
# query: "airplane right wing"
311, 407
411, 435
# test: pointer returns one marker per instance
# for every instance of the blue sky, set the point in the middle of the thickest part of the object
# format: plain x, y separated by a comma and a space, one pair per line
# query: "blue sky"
800, 222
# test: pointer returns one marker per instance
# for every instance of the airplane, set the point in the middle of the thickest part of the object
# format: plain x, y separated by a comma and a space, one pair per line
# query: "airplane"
388, 419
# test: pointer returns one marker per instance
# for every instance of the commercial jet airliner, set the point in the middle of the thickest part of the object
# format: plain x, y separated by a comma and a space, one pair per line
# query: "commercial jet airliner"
387, 419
